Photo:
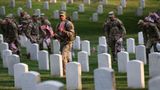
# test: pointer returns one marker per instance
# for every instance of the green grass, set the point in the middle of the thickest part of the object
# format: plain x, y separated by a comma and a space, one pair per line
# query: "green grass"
87, 30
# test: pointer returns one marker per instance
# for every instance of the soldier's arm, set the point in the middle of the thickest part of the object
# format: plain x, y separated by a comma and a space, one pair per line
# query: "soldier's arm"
157, 31
106, 28
121, 26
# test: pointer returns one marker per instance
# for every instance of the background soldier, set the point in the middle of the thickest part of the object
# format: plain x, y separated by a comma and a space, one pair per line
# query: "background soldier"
11, 34
152, 33
114, 32
65, 34
48, 32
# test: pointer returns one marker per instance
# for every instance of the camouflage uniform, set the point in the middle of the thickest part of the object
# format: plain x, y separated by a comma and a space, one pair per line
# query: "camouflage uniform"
48, 33
66, 38
11, 35
35, 32
152, 33
114, 32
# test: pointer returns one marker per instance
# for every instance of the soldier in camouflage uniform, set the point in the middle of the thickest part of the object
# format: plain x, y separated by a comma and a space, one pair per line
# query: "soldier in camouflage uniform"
151, 32
48, 32
115, 33
35, 28
11, 34
65, 34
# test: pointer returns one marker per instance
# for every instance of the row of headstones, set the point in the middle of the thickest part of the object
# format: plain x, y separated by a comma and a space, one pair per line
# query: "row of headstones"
139, 11
75, 15
81, 9
103, 57
30, 80
46, 3
135, 70
104, 2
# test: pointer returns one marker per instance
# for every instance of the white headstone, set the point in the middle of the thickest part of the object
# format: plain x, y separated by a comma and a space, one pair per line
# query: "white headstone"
34, 51
123, 3
86, 46
102, 40
73, 76
123, 59
104, 60
38, 12
69, 1
29, 4
63, 6
102, 49
56, 65
131, 45
5, 54
95, 17
140, 38
100, 9
2, 11
154, 64
56, 47
12, 60
23, 40
50, 85
154, 83
142, 3
46, 5
135, 74
158, 46
120, 10
12, 3
139, 11
56, 14
28, 46
43, 61
53, 1
75, 16
3, 46
19, 69
141, 53
77, 43
1, 38
83, 59
30, 80
81, 8
19, 10
87, 2
104, 79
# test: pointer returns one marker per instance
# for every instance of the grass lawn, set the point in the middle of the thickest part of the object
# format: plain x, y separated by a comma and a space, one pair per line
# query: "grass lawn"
87, 30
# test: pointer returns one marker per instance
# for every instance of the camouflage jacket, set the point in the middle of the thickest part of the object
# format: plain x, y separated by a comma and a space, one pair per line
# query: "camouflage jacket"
66, 35
152, 31
114, 29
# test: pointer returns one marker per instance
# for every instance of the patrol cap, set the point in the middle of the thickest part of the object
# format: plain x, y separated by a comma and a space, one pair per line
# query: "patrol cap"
42, 14
140, 22
63, 13
34, 15
111, 13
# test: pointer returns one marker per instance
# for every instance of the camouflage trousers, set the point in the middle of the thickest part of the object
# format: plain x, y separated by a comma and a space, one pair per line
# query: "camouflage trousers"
66, 53
150, 43
47, 42
34, 39
115, 46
